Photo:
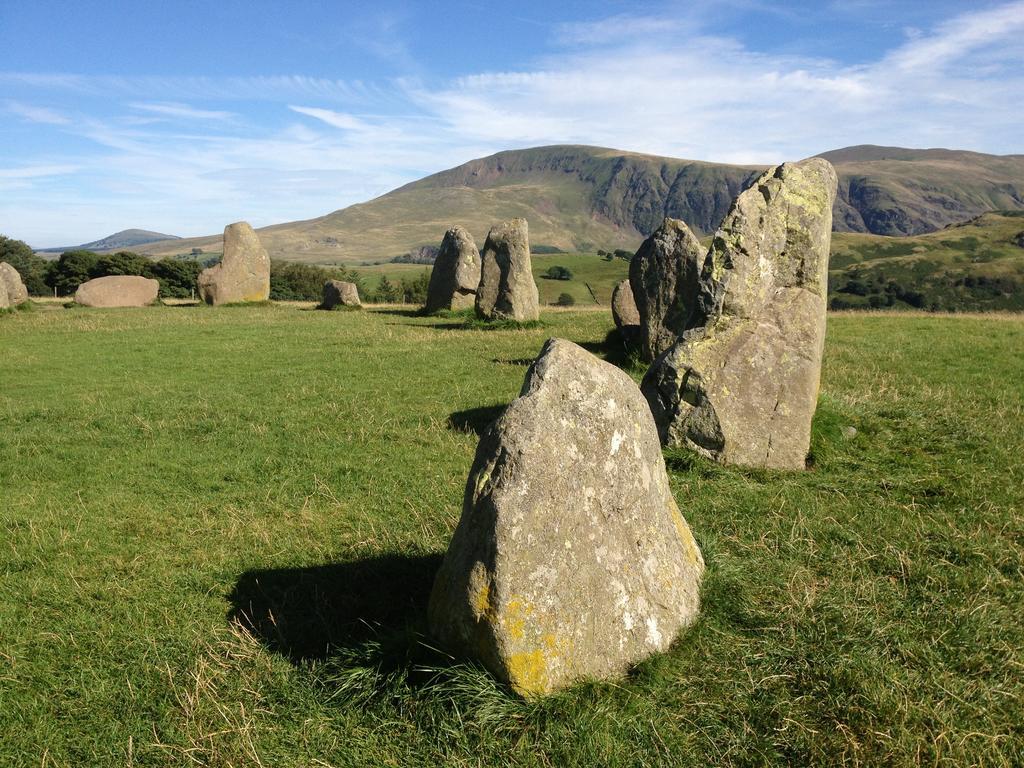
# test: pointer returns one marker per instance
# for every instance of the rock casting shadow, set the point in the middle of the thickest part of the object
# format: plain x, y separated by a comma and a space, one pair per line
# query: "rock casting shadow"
523, 361
311, 613
475, 420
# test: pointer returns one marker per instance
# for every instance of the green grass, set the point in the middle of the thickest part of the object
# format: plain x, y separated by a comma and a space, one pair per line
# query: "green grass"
220, 529
586, 268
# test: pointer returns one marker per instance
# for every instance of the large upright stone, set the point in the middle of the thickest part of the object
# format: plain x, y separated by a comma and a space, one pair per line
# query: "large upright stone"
571, 559
13, 292
340, 293
663, 275
117, 291
243, 273
741, 385
507, 290
456, 273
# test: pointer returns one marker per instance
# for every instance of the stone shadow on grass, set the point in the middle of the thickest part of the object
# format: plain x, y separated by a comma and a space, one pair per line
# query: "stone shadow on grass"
475, 420
615, 349
315, 612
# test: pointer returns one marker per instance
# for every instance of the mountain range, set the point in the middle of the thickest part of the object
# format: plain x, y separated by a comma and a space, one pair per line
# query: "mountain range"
126, 238
580, 198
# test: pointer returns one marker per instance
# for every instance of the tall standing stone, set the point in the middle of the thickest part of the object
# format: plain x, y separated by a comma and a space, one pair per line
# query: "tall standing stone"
13, 292
741, 385
456, 273
243, 273
571, 559
507, 290
663, 275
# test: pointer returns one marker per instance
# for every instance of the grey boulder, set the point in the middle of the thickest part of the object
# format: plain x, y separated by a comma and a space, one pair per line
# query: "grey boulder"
624, 311
507, 290
12, 287
340, 293
571, 560
456, 273
243, 273
663, 275
117, 291
741, 384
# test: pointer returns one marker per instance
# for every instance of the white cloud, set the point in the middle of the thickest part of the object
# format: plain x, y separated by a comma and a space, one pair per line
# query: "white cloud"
36, 114
183, 111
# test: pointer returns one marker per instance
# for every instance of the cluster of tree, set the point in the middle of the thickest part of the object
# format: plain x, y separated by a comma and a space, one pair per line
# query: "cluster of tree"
425, 254
292, 281
618, 253
558, 273
408, 291
177, 277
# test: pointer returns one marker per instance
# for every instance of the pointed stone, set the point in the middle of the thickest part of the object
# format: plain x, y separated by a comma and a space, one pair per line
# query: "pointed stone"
663, 275
456, 273
571, 560
507, 290
624, 311
741, 385
243, 273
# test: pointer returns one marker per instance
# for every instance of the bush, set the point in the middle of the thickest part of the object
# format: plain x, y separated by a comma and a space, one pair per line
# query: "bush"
558, 273
32, 268
71, 270
565, 300
177, 276
292, 281
120, 263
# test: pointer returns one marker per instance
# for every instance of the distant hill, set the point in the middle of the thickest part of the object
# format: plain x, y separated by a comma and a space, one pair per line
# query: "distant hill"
580, 198
971, 266
127, 238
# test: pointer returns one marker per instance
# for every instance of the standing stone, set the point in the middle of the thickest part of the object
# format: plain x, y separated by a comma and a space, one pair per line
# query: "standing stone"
14, 291
340, 293
624, 311
243, 273
507, 290
456, 273
741, 385
663, 275
117, 291
571, 560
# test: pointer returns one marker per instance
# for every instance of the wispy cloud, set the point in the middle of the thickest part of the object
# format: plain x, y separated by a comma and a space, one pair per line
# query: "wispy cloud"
183, 111
36, 114
37, 171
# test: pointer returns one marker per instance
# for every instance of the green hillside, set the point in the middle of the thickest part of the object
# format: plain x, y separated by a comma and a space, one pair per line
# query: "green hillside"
976, 265
580, 198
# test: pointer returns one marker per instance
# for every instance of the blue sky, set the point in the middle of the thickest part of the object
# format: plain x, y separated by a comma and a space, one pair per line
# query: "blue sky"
184, 116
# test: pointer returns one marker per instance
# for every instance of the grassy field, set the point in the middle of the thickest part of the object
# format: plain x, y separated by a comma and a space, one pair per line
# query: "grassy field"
587, 269
220, 527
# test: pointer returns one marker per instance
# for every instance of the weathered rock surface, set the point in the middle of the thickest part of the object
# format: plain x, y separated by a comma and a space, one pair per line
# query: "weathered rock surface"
340, 293
507, 290
13, 291
456, 273
624, 311
1019, 239
741, 385
117, 291
243, 273
663, 275
571, 559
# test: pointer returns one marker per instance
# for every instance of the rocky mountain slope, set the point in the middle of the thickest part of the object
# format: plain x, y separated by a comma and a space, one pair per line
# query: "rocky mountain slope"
584, 198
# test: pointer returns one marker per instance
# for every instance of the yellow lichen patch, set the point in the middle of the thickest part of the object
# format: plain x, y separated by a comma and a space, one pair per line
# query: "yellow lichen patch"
689, 545
482, 600
513, 617
528, 673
